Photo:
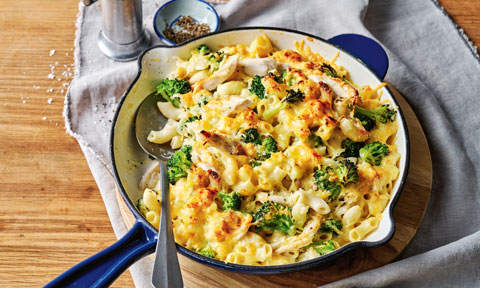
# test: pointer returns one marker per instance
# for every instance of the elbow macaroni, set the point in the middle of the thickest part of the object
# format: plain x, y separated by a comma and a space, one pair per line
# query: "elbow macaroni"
213, 117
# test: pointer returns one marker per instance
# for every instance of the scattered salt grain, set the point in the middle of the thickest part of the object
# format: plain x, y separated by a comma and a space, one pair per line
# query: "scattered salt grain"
61, 91
66, 54
44, 118
24, 101
49, 90
59, 79
52, 52
56, 63
65, 84
51, 76
50, 100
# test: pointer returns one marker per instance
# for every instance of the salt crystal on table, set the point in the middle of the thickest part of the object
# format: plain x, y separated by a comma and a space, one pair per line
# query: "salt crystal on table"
44, 118
56, 63
61, 91
51, 76
50, 100
24, 101
52, 52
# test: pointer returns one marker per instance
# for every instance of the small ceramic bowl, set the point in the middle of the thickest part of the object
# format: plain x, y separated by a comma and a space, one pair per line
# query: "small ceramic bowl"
169, 13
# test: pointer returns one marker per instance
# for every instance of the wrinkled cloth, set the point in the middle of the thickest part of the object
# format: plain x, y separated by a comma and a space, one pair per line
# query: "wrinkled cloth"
432, 64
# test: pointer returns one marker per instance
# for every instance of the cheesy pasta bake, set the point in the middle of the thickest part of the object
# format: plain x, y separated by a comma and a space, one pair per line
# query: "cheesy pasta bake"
281, 157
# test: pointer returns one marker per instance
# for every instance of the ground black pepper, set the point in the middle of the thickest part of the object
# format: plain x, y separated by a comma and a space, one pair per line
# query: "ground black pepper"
185, 29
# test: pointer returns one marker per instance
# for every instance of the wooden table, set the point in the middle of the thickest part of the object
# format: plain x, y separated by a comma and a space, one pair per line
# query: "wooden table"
51, 212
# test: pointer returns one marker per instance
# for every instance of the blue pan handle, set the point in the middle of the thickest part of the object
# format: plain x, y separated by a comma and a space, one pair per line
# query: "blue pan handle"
366, 49
101, 269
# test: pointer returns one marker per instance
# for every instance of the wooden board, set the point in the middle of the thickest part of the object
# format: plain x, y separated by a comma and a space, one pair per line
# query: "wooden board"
51, 213
408, 214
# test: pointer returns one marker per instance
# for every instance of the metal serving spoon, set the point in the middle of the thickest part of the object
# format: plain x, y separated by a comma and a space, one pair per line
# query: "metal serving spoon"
166, 271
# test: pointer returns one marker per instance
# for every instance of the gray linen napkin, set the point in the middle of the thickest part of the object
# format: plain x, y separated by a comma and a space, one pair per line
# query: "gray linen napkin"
431, 63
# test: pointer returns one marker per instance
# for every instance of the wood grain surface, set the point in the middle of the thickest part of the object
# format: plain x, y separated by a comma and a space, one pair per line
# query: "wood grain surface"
51, 212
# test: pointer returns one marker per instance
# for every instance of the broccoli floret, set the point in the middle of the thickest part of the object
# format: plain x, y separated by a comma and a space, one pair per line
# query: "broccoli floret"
278, 78
330, 226
273, 216
331, 179
257, 88
315, 141
207, 252
231, 201
351, 148
323, 247
291, 98
374, 153
179, 164
327, 69
269, 144
203, 49
215, 60
142, 207
167, 88
255, 163
367, 123
326, 179
369, 118
251, 135
346, 172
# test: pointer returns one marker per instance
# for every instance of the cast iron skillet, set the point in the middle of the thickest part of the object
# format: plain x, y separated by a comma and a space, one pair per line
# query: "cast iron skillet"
103, 268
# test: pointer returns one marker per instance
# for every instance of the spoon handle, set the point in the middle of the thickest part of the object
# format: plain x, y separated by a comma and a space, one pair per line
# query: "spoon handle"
166, 270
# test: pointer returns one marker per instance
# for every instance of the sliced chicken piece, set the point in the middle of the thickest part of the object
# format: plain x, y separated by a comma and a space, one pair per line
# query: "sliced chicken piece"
257, 66
235, 104
293, 243
223, 141
229, 104
340, 88
219, 76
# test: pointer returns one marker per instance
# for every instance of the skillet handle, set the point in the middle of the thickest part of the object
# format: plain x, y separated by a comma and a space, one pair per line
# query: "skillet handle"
101, 269
366, 49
